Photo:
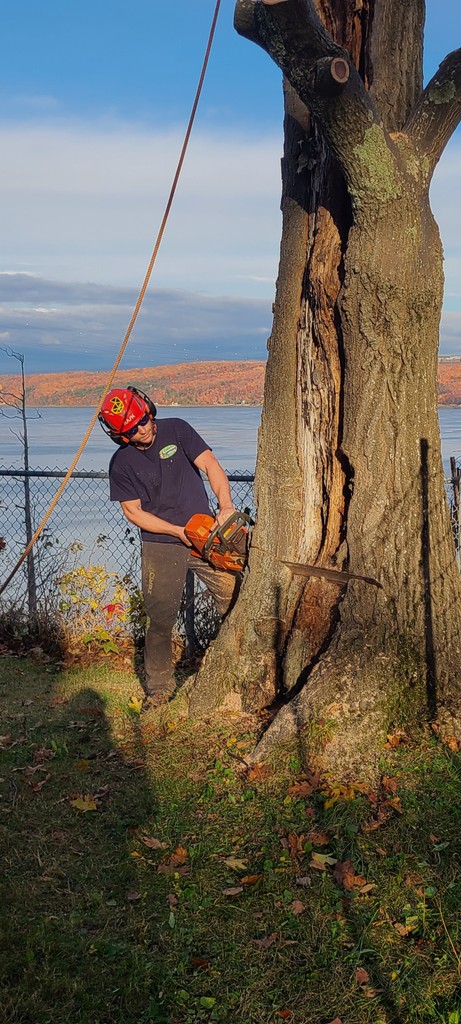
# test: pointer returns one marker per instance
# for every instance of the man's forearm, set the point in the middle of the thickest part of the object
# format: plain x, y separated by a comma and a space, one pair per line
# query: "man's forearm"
153, 524
220, 486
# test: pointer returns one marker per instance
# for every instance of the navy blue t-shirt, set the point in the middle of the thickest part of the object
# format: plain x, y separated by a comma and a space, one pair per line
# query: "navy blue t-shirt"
163, 477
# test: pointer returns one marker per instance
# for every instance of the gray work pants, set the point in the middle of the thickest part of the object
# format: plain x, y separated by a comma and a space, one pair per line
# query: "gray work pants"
164, 571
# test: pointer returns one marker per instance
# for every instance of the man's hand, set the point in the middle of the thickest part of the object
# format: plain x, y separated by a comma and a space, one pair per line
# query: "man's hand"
223, 515
182, 536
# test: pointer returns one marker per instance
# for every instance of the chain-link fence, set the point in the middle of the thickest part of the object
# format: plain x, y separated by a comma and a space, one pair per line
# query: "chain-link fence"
453, 486
85, 529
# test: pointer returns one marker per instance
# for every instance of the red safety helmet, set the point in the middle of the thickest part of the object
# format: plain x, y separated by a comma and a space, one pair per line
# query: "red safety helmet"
122, 409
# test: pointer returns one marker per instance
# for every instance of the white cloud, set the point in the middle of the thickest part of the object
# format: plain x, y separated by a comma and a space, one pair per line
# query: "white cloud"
85, 203
446, 205
88, 322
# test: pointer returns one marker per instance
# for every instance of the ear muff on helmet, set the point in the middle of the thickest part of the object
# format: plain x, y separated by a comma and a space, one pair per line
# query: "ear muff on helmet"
122, 409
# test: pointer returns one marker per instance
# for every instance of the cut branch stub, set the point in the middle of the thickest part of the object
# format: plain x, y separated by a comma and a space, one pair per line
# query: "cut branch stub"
329, 76
340, 70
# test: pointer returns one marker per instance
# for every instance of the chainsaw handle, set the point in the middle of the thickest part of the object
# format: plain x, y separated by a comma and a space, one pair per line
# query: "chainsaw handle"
217, 531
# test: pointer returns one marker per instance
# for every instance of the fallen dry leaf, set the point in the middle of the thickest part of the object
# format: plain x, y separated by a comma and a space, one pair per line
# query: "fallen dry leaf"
303, 788
297, 907
380, 819
390, 784
285, 1014
405, 929
361, 976
318, 838
179, 856
135, 704
251, 879
132, 896
344, 873
257, 773
235, 890
177, 862
396, 739
395, 803
43, 754
266, 942
296, 844
199, 963
38, 786
321, 861
84, 803
103, 792
152, 843
235, 863
452, 743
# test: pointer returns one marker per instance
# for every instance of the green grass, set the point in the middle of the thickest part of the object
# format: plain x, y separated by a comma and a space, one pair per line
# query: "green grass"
100, 928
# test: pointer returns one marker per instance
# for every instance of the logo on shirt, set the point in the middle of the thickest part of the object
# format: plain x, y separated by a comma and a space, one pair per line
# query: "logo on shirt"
168, 452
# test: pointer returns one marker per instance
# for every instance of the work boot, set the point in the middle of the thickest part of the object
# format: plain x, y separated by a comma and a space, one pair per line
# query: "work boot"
161, 691
152, 701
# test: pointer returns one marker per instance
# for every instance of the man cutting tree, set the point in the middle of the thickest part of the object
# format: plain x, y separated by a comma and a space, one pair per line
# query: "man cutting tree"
155, 475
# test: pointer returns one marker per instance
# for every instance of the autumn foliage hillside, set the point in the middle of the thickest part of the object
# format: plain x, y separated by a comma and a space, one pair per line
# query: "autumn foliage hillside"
450, 382
205, 383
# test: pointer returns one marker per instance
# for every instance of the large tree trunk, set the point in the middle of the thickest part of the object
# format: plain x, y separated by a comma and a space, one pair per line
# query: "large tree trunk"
349, 468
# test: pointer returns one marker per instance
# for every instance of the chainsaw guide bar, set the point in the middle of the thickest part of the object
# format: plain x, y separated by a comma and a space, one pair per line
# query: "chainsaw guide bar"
226, 547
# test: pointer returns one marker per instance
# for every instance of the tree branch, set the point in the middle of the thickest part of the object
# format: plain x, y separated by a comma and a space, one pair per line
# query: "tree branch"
438, 111
326, 80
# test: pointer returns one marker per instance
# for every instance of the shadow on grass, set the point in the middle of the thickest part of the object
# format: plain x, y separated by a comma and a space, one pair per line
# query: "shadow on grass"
78, 943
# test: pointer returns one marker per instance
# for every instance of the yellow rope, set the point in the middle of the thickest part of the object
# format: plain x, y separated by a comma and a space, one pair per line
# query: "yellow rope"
135, 311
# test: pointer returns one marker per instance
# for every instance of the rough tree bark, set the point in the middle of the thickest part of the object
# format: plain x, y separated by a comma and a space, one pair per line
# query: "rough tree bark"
349, 469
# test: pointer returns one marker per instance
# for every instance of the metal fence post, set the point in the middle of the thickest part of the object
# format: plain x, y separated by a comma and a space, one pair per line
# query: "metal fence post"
455, 483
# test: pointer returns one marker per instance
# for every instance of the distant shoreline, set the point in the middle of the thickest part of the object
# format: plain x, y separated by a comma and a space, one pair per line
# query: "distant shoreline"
211, 383
196, 405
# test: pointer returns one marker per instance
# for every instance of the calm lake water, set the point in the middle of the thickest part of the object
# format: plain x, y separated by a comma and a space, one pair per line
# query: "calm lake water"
231, 431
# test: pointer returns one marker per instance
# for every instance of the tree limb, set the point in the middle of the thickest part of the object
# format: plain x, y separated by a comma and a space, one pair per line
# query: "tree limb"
438, 112
326, 80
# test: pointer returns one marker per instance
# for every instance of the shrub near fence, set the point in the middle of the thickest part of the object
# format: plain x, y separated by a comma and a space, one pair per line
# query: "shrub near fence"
85, 529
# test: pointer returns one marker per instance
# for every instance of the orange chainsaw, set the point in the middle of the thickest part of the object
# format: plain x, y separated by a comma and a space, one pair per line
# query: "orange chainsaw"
226, 547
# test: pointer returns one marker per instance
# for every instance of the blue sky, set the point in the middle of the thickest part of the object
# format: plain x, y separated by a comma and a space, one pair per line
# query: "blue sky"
94, 99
